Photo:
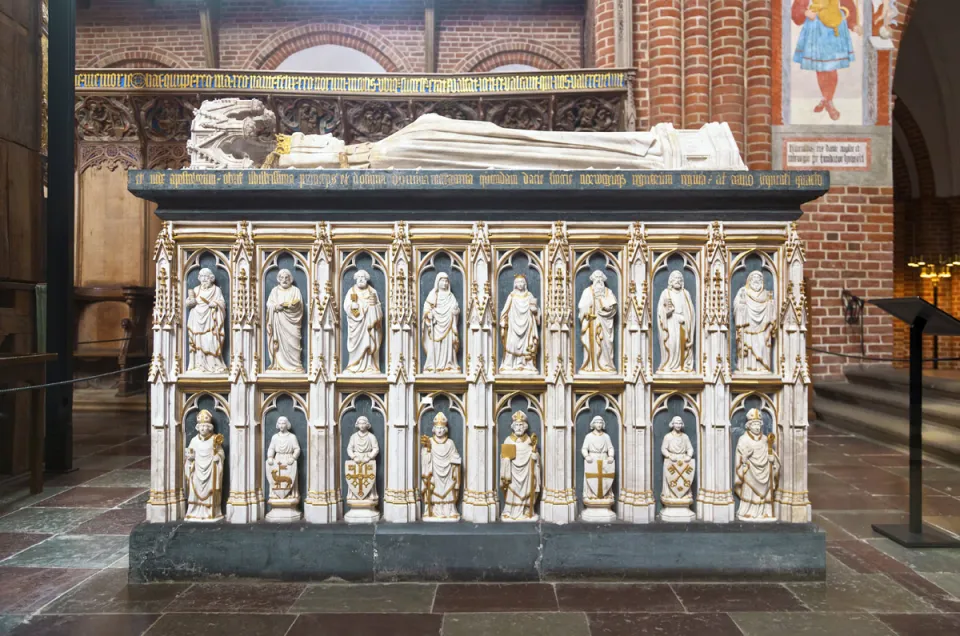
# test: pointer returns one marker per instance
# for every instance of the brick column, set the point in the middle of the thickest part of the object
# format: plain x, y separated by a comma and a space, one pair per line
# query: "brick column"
727, 66
666, 74
759, 68
696, 63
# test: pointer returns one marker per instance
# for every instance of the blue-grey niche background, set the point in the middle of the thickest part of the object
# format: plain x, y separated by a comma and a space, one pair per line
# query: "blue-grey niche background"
596, 261
535, 427
753, 262
221, 425
363, 407
378, 280
597, 405
441, 404
442, 262
210, 261
674, 261
661, 426
519, 264
286, 260
738, 426
298, 423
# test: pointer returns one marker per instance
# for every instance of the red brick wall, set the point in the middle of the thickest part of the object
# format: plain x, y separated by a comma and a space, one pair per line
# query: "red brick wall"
261, 34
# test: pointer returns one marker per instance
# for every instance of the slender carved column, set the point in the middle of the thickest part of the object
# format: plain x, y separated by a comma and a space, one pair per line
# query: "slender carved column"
245, 503
559, 504
322, 503
792, 498
636, 503
479, 496
166, 501
400, 498
714, 494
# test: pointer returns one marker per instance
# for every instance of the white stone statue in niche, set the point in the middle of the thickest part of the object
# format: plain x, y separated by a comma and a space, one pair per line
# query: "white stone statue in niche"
598, 309
679, 469
282, 456
441, 321
284, 321
599, 471
677, 320
756, 471
361, 475
364, 317
755, 315
518, 329
520, 477
203, 472
205, 325
440, 474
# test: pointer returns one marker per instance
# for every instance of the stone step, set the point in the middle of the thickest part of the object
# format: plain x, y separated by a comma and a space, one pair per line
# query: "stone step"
938, 440
892, 400
884, 377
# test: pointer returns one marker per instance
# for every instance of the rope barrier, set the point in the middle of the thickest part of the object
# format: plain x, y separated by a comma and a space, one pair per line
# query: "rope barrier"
876, 359
65, 382
86, 342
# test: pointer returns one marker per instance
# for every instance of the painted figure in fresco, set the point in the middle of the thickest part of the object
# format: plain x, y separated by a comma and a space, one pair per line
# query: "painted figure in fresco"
203, 472
361, 474
598, 309
825, 45
599, 471
520, 478
205, 325
364, 316
679, 469
441, 319
677, 320
284, 319
440, 473
518, 329
755, 315
756, 471
282, 456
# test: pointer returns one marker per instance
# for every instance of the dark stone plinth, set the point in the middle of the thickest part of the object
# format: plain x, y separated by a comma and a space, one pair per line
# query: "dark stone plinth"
469, 552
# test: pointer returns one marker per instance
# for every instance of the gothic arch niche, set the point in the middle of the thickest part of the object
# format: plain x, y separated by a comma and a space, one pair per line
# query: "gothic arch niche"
666, 407
331, 58
292, 406
452, 407
373, 407
218, 263
433, 263
219, 408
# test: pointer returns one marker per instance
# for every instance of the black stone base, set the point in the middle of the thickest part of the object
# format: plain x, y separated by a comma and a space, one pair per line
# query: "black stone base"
469, 552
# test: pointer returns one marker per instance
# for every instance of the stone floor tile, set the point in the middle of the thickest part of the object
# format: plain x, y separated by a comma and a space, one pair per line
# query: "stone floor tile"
947, 581
109, 593
47, 520
85, 449
858, 447
864, 558
143, 464
928, 560
858, 593
91, 551
809, 624
21, 498
849, 499
932, 594
859, 473
859, 524
13, 542
90, 625
256, 598
376, 597
616, 597
895, 460
73, 478
834, 532
948, 524
82, 497
26, 590
940, 505
835, 566
662, 624
922, 624
10, 621
520, 624
110, 437
107, 462
123, 563
222, 625
366, 625
495, 597
122, 478
119, 521
129, 448
139, 502
737, 597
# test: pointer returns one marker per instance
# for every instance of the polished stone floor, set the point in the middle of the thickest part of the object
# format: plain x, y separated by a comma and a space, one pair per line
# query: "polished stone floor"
63, 560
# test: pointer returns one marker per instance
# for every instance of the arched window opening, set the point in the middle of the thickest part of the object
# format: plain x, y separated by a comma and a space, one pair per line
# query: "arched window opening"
331, 58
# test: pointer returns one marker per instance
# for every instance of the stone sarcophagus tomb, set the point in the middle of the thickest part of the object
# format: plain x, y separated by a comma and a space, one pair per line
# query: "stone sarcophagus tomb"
481, 374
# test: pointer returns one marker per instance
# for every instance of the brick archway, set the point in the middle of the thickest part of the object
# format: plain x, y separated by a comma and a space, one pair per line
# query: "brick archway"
502, 52
138, 57
271, 52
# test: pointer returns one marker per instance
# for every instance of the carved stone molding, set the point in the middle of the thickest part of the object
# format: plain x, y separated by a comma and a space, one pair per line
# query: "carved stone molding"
105, 119
522, 114
167, 156
109, 155
166, 118
373, 121
309, 116
592, 114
